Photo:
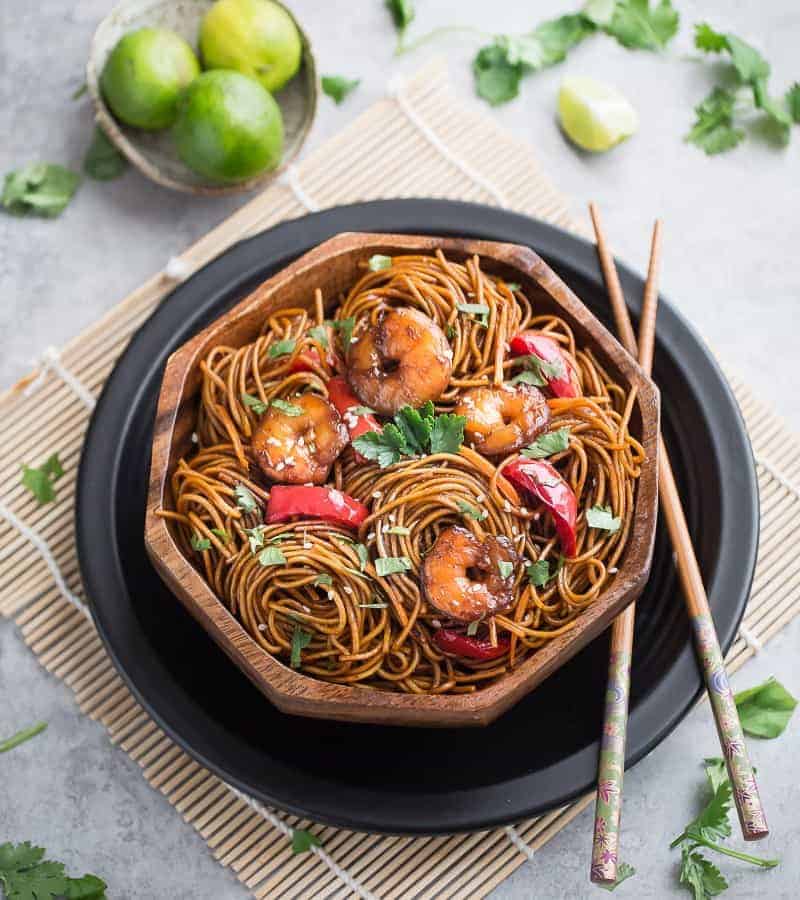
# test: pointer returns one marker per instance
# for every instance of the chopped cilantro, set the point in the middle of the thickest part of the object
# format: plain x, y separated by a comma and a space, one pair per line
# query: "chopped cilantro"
300, 640
320, 334
470, 511
505, 568
244, 498
39, 189
378, 263
389, 565
323, 579
288, 409
548, 444
255, 403
271, 556
282, 348
199, 543
602, 517
39, 480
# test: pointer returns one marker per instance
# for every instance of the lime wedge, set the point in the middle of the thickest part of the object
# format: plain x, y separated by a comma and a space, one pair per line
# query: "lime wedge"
594, 115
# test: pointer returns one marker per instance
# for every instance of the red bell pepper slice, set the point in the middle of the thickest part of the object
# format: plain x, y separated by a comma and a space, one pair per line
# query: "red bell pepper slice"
345, 401
290, 501
306, 361
548, 350
450, 641
543, 483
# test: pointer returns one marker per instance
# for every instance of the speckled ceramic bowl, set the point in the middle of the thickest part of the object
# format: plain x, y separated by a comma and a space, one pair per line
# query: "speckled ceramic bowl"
153, 153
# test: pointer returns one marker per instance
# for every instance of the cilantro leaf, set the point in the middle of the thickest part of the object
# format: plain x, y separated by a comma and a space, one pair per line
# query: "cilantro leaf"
26, 875
90, 887
539, 371
103, 161
505, 568
345, 328
549, 43
41, 189
244, 498
638, 26
373, 605
402, 12
397, 529
712, 822
337, 87
303, 840
390, 565
21, 736
40, 480
472, 628
282, 348
599, 11
383, 447
624, 871
319, 334
447, 433
765, 710
792, 100
700, 875
416, 425
496, 79
255, 537
538, 573
300, 640
327, 580
199, 543
480, 310
378, 263
713, 130
529, 376
601, 517
288, 409
255, 403
221, 534
705, 38
271, 556
548, 444
716, 771
470, 511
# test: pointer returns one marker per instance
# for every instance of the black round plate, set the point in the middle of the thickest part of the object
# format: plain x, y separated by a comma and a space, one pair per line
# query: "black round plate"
537, 756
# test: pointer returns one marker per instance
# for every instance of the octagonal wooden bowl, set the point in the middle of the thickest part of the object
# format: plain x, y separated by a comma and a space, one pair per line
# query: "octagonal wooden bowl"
334, 267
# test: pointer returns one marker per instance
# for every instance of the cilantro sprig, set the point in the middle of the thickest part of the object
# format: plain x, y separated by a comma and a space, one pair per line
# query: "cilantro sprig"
715, 129
25, 874
547, 444
39, 189
413, 432
706, 831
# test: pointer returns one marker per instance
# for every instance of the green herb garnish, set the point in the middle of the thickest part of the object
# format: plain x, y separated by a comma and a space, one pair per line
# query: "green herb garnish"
624, 871
21, 736
513, 286
26, 875
271, 556
345, 328
713, 130
397, 529
390, 565
338, 88
255, 537
244, 498
258, 406
601, 517
319, 334
472, 628
221, 534
288, 409
548, 444
103, 161
378, 262
361, 411
538, 573
402, 12
451, 332
505, 568
300, 640
373, 605
765, 710
282, 348
302, 839
323, 579
40, 480
479, 310
414, 432
638, 26
470, 511
39, 189
199, 543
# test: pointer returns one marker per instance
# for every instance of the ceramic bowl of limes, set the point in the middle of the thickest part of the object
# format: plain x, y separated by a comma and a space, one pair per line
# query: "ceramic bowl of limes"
204, 96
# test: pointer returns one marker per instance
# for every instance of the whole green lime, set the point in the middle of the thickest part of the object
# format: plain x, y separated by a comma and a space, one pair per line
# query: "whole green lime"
255, 37
145, 74
229, 127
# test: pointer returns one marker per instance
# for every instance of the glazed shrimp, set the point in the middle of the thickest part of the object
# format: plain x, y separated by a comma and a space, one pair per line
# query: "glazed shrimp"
462, 577
298, 441
503, 419
402, 358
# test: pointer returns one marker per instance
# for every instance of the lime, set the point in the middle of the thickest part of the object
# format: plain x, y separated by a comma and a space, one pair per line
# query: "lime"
229, 127
595, 115
145, 74
255, 37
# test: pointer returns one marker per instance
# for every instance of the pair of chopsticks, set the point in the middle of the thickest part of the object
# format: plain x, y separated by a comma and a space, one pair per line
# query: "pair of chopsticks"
605, 845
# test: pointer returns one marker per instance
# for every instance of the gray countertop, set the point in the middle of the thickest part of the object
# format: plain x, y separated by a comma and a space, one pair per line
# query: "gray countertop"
730, 264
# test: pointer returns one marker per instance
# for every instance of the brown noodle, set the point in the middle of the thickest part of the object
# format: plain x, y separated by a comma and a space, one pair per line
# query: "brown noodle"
366, 629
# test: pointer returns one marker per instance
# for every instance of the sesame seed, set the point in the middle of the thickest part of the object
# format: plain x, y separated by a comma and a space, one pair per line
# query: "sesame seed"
479, 498
377, 494
506, 506
613, 570
436, 623
523, 509
347, 589
195, 438
371, 536
307, 545
262, 627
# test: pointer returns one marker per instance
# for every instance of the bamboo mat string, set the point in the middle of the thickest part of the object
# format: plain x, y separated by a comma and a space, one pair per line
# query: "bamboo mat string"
291, 178
51, 362
42, 597
395, 90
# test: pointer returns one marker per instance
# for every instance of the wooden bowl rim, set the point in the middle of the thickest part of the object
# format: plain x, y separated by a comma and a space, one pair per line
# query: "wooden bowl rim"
106, 121
363, 703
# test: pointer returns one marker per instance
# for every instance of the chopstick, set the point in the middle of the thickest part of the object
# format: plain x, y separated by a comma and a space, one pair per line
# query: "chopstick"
605, 845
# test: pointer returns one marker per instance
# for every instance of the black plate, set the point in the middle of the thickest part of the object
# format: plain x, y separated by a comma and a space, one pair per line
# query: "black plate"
535, 757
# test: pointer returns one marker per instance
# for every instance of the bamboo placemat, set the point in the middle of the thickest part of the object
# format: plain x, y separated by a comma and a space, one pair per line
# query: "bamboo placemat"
437, 148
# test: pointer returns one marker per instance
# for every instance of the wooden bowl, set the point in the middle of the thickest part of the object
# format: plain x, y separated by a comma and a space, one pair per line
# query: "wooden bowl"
153, 152
334, 267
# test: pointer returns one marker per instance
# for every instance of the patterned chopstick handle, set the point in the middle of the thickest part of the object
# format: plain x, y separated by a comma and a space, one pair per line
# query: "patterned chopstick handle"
731, 736
610, 771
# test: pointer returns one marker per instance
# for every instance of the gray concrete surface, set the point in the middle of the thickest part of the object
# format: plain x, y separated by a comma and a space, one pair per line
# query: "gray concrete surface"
730, 264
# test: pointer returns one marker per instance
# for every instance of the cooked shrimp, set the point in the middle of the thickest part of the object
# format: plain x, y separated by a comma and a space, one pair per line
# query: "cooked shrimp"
402, 358
298, 440
503, 419
462, 577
